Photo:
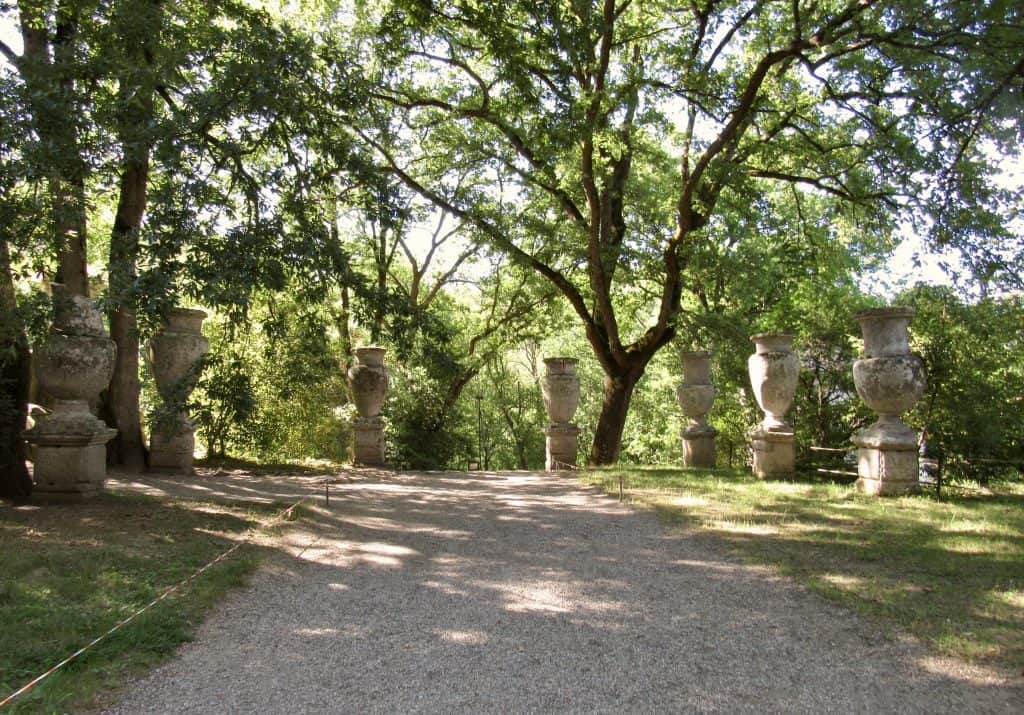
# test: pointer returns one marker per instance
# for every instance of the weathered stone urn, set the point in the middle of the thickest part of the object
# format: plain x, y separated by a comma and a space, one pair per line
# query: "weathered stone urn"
696, 394
560, 388
774, 370
174, 354
368, 381
890, 380
74, 365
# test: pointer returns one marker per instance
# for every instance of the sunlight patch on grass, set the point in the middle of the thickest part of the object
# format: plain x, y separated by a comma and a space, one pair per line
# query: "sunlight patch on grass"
949, 572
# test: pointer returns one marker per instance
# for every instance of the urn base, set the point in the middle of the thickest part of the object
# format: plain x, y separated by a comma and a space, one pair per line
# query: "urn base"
71, 472
368, 442
562, 446
699, 447
774, 453
70, 454
173, 451
887, 472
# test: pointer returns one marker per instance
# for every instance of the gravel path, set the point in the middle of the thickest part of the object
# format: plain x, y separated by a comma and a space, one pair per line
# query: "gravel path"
528, 593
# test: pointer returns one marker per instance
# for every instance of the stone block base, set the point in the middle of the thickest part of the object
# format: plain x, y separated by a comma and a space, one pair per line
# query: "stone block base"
172, 452
69, 472
774, 454
562, 446
699, 449
887, 472
368, 447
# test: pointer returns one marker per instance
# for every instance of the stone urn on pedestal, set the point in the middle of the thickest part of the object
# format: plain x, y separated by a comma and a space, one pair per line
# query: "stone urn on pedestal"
74, 365
774, 370
174, 354
696, 395
560, 389
368, 380
890, 380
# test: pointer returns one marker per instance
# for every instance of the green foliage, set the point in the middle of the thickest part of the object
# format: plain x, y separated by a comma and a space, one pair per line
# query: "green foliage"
272, 390
972, 411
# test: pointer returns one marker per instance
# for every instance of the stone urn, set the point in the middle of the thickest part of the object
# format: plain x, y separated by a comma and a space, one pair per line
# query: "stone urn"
175, 352
890, 380
774, 370
560, 389
368, 381
74, 365
696, 394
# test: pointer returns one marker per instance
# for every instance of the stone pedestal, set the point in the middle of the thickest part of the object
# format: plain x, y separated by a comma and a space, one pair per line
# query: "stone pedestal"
174, 354
699, 447
890, 380
368, 381
560, 389
74, 365
696, 395
173, 447
368, 442
774, 453
562, 446
774, 371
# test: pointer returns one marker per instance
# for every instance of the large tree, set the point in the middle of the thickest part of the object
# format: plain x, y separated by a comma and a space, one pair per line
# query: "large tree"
612, 144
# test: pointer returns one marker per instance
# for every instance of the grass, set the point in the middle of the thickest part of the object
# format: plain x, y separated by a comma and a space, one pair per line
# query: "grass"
70, 572
949, 572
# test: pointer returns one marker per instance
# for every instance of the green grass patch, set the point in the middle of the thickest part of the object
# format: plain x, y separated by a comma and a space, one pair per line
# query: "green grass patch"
949, 572
71, 572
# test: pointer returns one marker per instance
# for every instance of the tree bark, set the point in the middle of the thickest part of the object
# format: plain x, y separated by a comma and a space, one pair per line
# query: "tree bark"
15, 379
128, 447
54, 112
617, 394
135, 97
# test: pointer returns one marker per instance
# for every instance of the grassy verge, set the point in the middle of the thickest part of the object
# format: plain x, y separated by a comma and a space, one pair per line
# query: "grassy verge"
70, 572
949, 572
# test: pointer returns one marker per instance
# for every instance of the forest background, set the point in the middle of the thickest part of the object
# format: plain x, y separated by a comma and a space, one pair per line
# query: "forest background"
476, 188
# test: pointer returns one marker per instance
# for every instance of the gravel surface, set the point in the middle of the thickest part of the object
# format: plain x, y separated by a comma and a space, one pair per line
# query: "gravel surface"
529, 593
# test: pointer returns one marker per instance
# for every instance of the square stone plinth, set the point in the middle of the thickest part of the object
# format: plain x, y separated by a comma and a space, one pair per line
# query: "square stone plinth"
887, 472
562, 446
774, 454
69, 472
172, 452
368, 447
699, 450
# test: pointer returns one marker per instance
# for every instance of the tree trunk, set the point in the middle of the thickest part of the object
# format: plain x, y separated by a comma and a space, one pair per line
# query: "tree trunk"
128, 447
45, 69
618, 392
135, 99
15, 378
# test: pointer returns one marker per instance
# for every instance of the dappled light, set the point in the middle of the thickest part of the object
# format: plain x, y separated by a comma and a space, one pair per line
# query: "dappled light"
957, 561
422, 575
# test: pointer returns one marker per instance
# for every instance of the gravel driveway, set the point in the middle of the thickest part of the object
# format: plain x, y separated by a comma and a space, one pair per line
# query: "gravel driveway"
529, 593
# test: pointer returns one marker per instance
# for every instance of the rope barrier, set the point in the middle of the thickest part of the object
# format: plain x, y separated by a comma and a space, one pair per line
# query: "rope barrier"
167, 592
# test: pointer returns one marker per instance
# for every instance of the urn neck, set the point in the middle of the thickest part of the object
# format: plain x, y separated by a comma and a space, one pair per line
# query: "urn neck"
560, 365
696, 367
370, 356
772, 343
885, 331
185, 320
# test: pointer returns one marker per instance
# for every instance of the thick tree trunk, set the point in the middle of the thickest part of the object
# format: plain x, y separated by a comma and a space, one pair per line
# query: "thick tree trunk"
618, 392
135, 97
44, 68
128, 448
15, 378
